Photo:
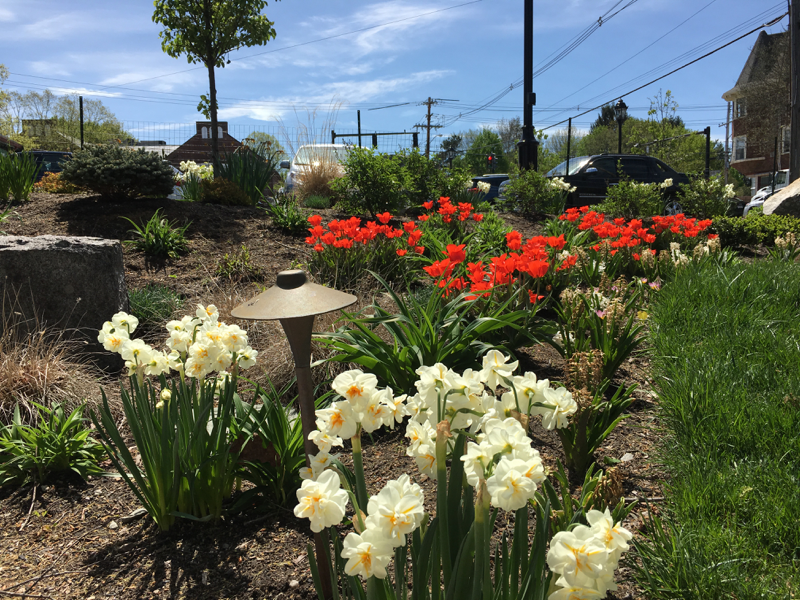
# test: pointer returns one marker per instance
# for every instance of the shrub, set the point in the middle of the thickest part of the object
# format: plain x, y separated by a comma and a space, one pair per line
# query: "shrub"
373, 183
287, 215
158, 237
252, 170
317, 179
425, 178
238, 265
154, 305
115, 172
59, 442
191, 188
759, 229
17, 176
532, 192
223, 191
317, 202
631, 200
53, 183
705, 198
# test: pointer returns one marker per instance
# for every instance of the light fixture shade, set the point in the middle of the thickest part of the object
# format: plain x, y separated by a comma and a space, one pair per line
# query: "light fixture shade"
291, 297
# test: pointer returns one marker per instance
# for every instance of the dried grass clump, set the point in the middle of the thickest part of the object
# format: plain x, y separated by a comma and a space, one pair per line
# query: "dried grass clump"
40, 367
316, 179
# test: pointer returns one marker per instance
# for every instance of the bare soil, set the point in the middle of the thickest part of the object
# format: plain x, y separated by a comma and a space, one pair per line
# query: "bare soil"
70, 539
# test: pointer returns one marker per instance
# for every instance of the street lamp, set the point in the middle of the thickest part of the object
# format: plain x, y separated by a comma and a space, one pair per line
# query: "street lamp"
295, 301
620, 114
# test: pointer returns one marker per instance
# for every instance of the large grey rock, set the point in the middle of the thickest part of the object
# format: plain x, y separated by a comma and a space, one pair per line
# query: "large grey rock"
785, 201
73, 284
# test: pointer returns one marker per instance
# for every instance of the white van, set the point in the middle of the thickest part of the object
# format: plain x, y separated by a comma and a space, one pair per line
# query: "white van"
761, 196
309, 156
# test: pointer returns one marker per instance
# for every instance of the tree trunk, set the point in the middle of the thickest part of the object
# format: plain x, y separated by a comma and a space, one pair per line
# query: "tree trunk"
213, 112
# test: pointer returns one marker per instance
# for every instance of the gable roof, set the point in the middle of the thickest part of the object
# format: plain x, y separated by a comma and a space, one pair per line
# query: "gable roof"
758, 64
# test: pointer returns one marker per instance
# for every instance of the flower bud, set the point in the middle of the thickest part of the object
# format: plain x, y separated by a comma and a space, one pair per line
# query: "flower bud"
165, 396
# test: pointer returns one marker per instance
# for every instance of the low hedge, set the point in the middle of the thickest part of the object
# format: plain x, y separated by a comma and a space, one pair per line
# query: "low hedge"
753, 230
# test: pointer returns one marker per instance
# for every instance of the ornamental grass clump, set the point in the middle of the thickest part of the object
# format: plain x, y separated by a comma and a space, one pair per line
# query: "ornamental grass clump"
467, 421
182, 430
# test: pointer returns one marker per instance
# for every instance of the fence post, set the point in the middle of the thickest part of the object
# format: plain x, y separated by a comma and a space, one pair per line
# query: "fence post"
415, 138
374, 141
80, 101
333, 136
707, 131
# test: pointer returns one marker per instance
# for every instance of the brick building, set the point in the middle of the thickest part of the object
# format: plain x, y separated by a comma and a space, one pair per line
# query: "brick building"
198, 147
746, 157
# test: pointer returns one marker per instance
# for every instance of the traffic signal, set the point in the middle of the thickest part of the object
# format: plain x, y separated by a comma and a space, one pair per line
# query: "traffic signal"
490, 162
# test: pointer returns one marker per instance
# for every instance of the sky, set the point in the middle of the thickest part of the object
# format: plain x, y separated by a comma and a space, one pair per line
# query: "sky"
332, 58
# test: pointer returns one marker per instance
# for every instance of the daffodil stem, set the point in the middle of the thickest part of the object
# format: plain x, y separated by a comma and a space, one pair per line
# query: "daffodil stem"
481, 540
358, 468
442, 435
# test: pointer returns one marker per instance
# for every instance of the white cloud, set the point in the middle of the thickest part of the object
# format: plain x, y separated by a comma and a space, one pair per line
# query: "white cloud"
81, 91
6, 16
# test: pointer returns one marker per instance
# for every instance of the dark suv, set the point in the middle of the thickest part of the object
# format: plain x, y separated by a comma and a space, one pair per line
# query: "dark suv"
49, 161
494, 180
592, 175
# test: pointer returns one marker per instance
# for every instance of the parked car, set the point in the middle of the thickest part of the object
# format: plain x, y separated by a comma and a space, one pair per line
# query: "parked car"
761, 196
48, 161
308, 156
495, 180
592, 176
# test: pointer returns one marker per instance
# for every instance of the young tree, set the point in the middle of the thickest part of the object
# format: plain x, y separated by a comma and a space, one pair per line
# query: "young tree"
485, 143
255, 139
205, 31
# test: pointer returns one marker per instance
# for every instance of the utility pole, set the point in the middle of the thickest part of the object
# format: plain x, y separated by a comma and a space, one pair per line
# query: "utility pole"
528, 147
429, 103
794, 150
359, 129
80, 100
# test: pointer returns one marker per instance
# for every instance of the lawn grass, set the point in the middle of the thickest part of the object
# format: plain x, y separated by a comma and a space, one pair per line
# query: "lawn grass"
727, 370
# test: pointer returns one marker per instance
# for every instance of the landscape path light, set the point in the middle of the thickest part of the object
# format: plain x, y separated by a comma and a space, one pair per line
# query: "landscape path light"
295, 301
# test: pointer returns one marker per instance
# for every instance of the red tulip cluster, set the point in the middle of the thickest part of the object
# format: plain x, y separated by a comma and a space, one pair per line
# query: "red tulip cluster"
462, 211
345, 233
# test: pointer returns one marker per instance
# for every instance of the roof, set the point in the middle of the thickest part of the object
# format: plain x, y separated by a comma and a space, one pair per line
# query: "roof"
9, 144
758, 64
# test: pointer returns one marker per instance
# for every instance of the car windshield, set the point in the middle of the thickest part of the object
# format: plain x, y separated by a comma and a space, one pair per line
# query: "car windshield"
308, 155
575, 165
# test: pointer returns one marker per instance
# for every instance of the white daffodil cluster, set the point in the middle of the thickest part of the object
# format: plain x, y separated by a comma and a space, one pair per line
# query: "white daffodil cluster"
484, 186
197, 345
559, 184
465, 402
667, 183
189, 167
396, 511
363, 406
586, 557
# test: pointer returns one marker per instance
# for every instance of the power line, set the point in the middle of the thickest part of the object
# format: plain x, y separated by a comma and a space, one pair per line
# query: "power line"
674, 70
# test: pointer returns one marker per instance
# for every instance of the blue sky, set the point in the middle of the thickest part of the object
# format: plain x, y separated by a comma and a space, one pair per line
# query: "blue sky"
405, 51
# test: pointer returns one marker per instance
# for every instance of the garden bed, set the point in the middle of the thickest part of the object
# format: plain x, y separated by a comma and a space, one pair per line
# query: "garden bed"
72, 540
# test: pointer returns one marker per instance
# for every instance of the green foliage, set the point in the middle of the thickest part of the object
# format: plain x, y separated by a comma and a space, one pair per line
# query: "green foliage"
115, 172
17, 176
490, 234
223, 191
443, 330
251, 170
485, 143
158, 237
532, 193
51, 183
192, 188
704, 198
725, 348
287, 215
58, 443
275, 454
154, 305
373, 183
317, 202
758, 229
632, 200
188, 466
238, 265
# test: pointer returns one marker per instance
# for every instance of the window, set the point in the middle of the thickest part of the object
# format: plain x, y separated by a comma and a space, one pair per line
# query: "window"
740, 108
786, 139
740, 147
606, 168
635, 168
204, 133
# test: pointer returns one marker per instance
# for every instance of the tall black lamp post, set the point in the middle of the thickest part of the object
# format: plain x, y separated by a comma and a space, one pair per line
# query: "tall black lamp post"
621, 114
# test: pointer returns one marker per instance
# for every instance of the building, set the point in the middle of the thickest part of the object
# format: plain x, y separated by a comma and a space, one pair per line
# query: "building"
752, 160
198, 147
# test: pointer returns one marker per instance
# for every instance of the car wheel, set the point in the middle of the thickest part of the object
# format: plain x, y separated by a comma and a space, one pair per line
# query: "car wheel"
672, 207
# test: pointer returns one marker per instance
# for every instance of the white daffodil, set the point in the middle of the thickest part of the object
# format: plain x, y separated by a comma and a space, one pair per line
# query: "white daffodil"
425, 457
496, 368
337, 420
396, 406
562, 406
318, 463
396, 511
614, 536
324, 441
136, 351
579, 556
207, 313
356, 387
367, 554
123, 320
476, 461
375, 413
508, 486
504, 437
158, 364
113, 341
576, 593
234, 338
321, 501
247, 358
419, 434
179, 340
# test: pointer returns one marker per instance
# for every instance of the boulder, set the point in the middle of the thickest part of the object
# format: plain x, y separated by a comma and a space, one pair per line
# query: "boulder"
785, 201
66, 284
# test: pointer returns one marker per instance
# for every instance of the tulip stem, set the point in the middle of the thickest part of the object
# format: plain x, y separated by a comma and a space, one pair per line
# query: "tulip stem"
358, 468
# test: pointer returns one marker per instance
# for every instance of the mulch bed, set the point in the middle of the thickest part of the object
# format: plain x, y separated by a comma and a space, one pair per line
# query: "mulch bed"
70, 539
